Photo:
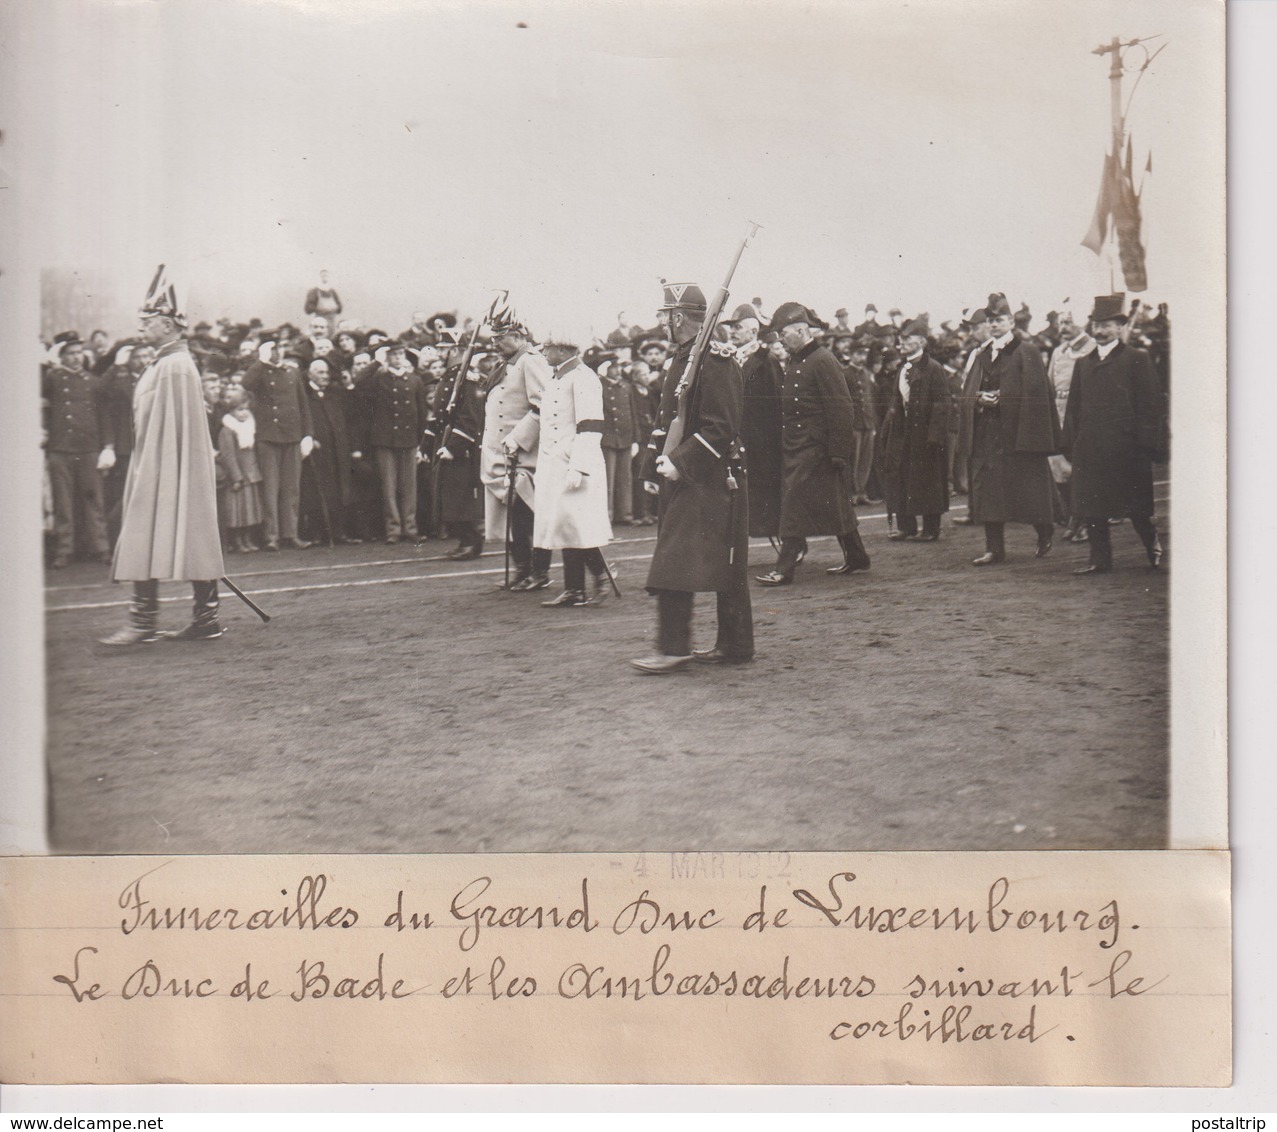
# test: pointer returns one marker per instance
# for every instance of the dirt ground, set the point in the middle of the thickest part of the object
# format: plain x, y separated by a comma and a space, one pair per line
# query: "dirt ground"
398, 702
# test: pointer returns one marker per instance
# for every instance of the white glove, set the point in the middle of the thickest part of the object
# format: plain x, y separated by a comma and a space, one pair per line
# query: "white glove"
651, 488
106, 459
444, 454
634, 450
573, 480
665, 467
510, 445
307, 446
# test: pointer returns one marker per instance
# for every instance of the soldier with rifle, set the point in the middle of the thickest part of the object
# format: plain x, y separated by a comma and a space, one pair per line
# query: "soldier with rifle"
457, 485
702, 542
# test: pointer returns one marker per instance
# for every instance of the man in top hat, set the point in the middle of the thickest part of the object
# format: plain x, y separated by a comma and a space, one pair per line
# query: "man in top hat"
74, 453
285, 434
510, 436
702, 542
1014, 427
394, 412
1114, 431
169, 526
816, 439
915, 437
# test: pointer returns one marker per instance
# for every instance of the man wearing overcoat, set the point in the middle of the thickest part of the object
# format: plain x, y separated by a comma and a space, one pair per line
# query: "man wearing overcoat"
915, 437
169, 526
702, 541
761, 424
1014, 427
1114, 432
510, 435
816, 442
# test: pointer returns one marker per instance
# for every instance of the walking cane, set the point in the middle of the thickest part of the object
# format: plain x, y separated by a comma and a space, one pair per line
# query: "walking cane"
607, 570
246, 599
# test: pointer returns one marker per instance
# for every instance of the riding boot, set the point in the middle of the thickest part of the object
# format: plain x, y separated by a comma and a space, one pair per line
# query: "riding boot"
204, 626
144, 615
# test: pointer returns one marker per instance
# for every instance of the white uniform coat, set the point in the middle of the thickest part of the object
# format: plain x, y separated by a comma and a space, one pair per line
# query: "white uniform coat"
511, 410
571, 431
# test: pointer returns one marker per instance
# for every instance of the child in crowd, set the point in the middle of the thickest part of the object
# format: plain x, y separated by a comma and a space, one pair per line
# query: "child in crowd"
237, 454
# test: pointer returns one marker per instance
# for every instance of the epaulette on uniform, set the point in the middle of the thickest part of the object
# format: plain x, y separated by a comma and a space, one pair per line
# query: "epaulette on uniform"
722, 349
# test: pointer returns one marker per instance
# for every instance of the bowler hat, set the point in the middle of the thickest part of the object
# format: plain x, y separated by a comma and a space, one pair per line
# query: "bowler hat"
1108, 307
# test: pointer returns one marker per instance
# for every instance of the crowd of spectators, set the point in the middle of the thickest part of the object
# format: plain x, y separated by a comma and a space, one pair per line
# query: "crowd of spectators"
312, 451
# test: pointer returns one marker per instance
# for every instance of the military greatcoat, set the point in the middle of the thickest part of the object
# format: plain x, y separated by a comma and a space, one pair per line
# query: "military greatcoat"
761, 435
169, 526
702, 542
511, 411
817, 413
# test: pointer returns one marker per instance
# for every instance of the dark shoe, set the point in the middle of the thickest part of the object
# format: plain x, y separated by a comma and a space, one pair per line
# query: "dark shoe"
144, 615
1044, 547
1080, 535
927, 538
847, 568
392, 540
272, 546
297, 543
1092, 569
204, 626
774, 579
659, 665
900, 536
714, 656
530, 583
988, 558
963, 521
1154, 552
567, 597
105, 558
350, 542
602, 587
458, 553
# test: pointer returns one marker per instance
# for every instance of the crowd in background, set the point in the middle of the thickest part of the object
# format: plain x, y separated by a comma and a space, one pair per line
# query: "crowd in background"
308, 433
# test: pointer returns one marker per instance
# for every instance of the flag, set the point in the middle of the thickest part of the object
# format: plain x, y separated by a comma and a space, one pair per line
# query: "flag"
1117, 212
1097, 234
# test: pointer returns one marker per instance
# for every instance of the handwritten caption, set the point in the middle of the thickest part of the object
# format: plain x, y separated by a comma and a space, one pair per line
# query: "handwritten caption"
475, 952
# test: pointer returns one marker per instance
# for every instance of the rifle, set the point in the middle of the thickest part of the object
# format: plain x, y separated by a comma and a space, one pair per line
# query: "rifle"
674, 437
454, 396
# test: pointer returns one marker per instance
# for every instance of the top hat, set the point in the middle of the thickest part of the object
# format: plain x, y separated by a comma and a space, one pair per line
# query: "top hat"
1108, 307
682, 297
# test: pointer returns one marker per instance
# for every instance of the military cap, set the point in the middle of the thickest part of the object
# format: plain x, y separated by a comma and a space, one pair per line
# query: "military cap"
741, 313
161, 299
682, 297
787, 313
997, 306
917, 325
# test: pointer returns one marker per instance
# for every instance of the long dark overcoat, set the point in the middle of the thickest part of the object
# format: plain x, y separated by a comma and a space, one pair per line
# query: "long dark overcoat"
702, 541
1114, 431
761, 436
913, 448
330, 459
817, 414
460, 490
1010, 477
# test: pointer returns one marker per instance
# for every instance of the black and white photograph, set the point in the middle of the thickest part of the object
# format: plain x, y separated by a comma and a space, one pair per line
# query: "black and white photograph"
541, 428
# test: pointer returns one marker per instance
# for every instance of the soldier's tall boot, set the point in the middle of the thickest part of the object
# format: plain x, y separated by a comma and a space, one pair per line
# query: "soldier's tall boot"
205, 626
144, 616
